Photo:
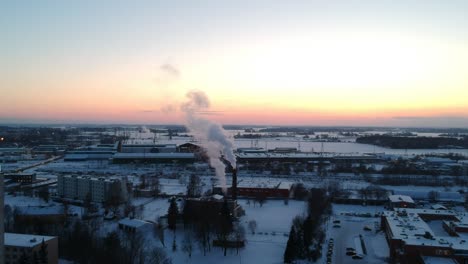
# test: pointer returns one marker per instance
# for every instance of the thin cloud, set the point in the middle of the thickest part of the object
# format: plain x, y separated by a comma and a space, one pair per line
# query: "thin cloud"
168, 109
170, 69
210, 112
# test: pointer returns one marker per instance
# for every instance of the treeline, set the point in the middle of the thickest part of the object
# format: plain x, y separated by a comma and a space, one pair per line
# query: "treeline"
413, 142
82, 243
307, 235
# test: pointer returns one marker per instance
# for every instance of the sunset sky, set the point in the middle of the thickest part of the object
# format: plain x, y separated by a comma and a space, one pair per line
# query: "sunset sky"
348, 62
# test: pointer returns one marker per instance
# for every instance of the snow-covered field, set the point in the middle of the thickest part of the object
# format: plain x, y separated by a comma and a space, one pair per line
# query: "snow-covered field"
266, 246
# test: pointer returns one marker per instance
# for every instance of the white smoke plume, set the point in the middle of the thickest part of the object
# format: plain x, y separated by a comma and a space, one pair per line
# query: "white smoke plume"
210, 134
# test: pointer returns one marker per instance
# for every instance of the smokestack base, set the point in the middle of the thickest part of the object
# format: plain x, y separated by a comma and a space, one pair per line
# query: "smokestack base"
234, 184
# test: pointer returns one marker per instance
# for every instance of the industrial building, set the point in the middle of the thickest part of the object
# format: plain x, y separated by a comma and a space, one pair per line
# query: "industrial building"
152, 148
97, 152
98, 189
411, 238
255, 190
153, 158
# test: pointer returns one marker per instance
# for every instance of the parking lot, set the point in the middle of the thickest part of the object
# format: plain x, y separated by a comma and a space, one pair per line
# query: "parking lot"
352, 230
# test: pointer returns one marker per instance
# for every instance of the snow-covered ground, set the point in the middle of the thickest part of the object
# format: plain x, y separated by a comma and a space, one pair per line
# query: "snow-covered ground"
267, 245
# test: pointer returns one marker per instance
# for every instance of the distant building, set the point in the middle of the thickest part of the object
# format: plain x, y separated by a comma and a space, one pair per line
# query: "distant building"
50, 149
263, 190
210, 207
44, 214
154, 148
13, 151
401, 201
97, 152
134, 225
99, 189
153, 158
23, 178
18, 245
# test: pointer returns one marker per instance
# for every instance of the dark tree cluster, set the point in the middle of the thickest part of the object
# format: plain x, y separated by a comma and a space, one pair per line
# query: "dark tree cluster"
81, 243
306, 234
397, 142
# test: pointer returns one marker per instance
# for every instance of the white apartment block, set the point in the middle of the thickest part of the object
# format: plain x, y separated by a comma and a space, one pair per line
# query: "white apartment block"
100, 189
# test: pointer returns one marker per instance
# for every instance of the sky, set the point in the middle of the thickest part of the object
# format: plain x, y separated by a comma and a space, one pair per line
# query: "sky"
303, 62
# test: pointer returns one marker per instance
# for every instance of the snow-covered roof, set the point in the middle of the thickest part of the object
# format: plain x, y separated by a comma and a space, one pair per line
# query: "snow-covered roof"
265, 184
423, 195
438, 207
438, 260
439, 160
400, 198
135, 223
407, 225
218, 197
24, 240
177, 155
40, 210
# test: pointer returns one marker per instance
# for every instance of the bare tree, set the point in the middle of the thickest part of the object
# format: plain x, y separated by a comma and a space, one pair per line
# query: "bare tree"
239, 234
433, 196
187, 243
194, 188
134, 246
158, 256
252, 226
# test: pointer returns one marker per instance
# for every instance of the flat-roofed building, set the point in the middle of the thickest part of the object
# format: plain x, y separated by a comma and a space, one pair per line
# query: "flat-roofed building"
18, 246
134, 225
411, 239
401, 201
154, 157
23, 178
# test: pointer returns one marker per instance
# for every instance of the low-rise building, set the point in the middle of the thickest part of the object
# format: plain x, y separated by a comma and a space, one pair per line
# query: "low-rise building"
134, 225
401, 201
258, 189
52, 214
154, 157
23, 178
152, 148
21, 246
411, 239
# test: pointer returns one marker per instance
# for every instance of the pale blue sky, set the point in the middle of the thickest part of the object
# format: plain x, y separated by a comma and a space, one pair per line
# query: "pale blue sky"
52, 42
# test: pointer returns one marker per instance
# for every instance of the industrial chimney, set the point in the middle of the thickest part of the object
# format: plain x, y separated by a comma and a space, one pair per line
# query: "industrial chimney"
234, 184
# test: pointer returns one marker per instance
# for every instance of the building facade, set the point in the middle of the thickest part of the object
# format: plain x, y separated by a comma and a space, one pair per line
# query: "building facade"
98, 189
23, 246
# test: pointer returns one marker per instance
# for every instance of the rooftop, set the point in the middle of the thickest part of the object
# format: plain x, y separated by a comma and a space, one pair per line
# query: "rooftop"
40, 210
154, 156
408, 226
136, 223
24, 240
400, 198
